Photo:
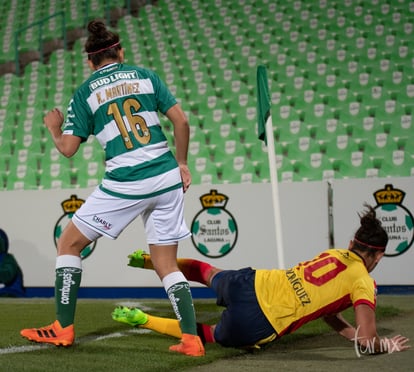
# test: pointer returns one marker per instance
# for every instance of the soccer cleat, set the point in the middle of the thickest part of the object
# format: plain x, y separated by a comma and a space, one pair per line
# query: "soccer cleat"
51, 334
190, 345
137, 258
131, 316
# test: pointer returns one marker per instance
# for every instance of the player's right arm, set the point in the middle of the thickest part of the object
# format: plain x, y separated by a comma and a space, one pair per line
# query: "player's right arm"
67, 145
340, 325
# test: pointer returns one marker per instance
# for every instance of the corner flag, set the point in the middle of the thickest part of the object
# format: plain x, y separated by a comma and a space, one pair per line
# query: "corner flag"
263, 102
265, 133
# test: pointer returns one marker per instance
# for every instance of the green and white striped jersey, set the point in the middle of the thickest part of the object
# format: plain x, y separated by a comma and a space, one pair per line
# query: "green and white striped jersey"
119, 104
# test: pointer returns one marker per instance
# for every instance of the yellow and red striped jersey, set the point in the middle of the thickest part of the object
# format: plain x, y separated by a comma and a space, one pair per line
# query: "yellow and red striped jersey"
326, 285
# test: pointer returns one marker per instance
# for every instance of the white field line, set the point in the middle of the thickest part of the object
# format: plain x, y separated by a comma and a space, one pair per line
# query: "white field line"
30, 348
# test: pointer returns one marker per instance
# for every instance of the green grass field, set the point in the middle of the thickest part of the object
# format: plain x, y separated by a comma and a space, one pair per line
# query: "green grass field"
102, 344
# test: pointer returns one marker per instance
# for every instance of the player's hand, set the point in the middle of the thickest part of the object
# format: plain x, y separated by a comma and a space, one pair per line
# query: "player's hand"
53, 119
398, 343
185, 176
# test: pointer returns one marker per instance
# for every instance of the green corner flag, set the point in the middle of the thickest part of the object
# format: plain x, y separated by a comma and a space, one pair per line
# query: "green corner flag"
263, 102
265, 133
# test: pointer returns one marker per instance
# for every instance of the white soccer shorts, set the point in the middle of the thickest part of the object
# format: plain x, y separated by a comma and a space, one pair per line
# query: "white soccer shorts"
106, 215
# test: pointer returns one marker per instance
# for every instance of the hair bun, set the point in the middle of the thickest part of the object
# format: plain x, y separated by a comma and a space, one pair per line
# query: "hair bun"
370, 221
370, 233
97, 28
370, 218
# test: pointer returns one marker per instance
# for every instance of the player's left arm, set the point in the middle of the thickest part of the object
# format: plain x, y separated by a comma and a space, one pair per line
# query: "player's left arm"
340, 325
367, 336
67, 145
182, 137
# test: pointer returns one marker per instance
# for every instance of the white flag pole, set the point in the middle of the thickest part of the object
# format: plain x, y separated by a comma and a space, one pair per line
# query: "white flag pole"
275, 191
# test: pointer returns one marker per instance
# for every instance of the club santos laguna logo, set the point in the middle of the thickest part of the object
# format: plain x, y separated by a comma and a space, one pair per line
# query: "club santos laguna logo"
70, 206
214, 229
396, 219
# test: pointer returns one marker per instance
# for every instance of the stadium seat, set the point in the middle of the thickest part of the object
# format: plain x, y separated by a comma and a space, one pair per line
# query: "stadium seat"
233, 169
344, 72
202, 168
223, 149
313, 167
199, 149
22, 176
356, 165
256, 150
298, 148
57, 175
397, 164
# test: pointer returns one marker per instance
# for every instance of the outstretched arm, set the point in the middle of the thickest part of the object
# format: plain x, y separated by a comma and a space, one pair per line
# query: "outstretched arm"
365, 334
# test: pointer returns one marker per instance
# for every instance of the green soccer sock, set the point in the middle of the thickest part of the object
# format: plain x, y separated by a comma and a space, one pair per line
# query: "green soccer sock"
68, 279
179, 293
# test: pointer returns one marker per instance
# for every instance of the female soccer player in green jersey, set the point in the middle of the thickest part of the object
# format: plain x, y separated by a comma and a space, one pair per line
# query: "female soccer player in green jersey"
119, 105
264, 305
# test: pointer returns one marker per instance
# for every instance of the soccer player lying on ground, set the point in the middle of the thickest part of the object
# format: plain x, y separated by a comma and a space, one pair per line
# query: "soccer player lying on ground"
264, 305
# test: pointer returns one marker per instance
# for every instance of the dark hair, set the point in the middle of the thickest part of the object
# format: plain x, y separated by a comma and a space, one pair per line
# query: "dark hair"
371, 237
101, 43
4, 241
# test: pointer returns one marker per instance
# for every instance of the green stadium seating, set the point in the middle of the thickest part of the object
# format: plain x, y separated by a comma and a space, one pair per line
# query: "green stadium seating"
340, 76
88, 174
396, 164
56, 173
23, 172
202, 169
228, 148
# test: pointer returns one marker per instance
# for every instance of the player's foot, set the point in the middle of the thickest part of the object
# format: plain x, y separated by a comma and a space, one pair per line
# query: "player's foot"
131, 316
190, 345
137, 258
51, 334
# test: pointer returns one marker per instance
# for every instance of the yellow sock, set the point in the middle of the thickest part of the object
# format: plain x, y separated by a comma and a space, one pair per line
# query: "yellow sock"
165, 326
147, 262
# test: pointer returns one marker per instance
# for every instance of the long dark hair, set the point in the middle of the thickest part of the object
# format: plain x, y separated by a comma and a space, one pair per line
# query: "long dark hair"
101, 43
371, 237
